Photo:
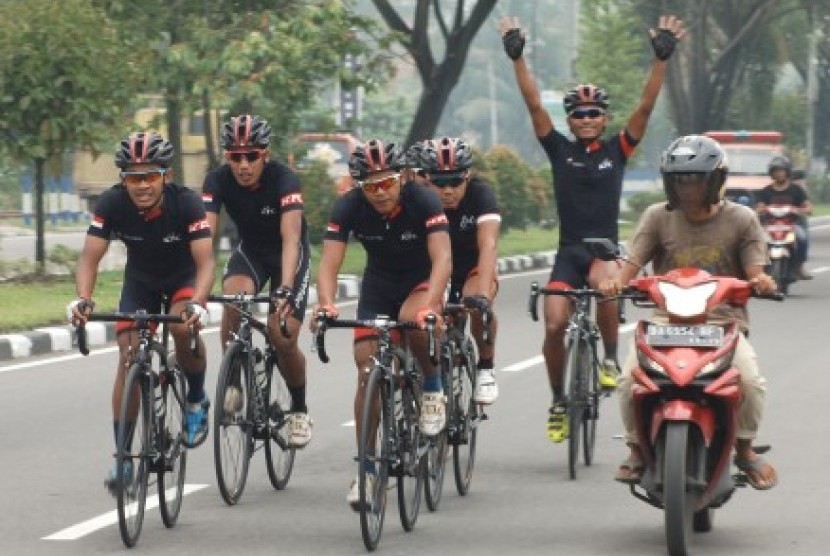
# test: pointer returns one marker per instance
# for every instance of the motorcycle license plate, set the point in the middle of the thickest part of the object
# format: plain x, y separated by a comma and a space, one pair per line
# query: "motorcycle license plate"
678, 335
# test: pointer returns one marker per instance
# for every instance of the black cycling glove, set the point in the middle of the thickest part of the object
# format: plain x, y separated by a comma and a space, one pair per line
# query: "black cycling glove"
663, 44
514, 43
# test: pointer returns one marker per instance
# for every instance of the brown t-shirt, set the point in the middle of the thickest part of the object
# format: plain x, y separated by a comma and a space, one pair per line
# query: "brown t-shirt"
725, 245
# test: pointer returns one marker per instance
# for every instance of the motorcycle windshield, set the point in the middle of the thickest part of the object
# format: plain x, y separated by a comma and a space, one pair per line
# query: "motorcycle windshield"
687, 302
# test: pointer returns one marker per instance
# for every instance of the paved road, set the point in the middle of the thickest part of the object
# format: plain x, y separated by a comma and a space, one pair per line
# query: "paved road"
14, 247
57, 442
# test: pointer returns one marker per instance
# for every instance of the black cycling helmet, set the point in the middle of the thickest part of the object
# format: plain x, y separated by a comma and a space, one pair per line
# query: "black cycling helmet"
780, 162
699, 156
584, 94
447, 154
144, 148
246, 131
376, 156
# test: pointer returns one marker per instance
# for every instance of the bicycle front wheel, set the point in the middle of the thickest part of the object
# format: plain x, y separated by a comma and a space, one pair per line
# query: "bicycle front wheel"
465, 418
411, 470
438, 447
374, 448
279, 457
133, 455
576, 401
233, 423
173, 455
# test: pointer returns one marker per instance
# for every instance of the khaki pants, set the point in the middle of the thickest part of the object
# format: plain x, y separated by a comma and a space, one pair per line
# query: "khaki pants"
753, 386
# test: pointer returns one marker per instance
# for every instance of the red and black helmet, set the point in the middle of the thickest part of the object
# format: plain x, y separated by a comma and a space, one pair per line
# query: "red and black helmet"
447, 154
246, 131
375, 156
144, 148
585, 94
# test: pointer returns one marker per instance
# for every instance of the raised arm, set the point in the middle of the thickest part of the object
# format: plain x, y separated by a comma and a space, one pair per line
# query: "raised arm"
663, 41
513, 38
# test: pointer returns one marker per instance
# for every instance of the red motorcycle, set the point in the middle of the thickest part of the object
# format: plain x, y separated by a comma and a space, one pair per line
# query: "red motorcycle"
779, 228
686, 399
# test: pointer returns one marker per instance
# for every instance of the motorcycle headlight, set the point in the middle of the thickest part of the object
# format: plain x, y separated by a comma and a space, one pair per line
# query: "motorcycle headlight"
687, 302
717, 366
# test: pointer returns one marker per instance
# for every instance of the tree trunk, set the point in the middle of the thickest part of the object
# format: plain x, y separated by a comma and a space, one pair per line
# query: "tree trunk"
430, 107
40, 246
213, 160
174, 132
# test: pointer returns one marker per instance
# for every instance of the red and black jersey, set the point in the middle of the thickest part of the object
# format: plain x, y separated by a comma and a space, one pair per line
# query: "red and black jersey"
478, 205
396, 245
587, 184
158, 241
256, 212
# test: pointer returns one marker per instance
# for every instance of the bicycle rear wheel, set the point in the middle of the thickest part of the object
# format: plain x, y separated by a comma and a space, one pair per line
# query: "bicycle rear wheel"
576, 402
411, 470
592, 396
174, 453
132, 458
435, 462
233, 423
279, 458
374, 446
465, 418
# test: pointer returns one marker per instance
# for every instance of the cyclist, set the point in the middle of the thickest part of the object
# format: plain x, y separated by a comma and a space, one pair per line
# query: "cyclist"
169, 252
473, 213
587, 175
698, 228
782, 191
263, 199
404, 231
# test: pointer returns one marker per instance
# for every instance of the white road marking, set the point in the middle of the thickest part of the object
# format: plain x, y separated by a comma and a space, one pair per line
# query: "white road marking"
84, 528
820, 269
348, 423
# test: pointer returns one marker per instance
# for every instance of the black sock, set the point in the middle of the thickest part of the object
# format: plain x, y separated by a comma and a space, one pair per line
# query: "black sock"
298, 399
610, 351
485, 363
195, 387
557, 395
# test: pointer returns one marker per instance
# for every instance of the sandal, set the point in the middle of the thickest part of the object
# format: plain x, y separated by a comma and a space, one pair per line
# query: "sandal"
630, 471
753, 469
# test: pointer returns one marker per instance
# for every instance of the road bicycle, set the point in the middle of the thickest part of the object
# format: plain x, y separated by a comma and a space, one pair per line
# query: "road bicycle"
252, 404
459, 372
396, 448
152, 438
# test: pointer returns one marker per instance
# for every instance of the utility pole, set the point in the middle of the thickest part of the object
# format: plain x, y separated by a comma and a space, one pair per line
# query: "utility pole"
494, 116
812, 87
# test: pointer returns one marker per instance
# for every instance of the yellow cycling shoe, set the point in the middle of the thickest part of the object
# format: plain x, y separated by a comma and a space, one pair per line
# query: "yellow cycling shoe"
558, 422
608, 373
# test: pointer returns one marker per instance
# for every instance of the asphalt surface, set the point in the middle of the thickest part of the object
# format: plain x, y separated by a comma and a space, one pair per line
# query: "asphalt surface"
56, 435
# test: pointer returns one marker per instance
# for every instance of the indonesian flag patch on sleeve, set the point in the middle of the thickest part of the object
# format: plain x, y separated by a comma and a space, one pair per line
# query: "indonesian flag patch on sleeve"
97, 222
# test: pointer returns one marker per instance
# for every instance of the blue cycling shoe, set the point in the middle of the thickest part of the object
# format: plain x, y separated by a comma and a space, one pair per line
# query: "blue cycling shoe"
196, 421
111, 482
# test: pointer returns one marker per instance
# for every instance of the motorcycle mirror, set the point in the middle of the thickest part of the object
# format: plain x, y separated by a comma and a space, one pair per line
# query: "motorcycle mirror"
602, 248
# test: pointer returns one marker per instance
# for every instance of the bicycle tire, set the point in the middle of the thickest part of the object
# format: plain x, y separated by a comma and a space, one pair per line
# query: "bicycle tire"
465, 373
173, 450
435, 462
590, 415
278, 460
372, 506
411, 470
133, 461
233, 423
576, 407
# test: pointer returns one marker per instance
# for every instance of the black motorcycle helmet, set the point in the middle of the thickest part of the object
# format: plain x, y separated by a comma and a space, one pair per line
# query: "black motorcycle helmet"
780, 163
697, 155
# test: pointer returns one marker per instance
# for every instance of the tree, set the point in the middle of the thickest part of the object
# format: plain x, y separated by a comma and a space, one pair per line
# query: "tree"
65, 81
438, 78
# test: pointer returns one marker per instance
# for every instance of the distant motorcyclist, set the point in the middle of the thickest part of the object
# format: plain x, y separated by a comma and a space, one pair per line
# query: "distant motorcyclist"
782, 191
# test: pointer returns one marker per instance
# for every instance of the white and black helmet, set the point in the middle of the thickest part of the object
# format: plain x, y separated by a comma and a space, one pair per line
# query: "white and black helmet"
699, 156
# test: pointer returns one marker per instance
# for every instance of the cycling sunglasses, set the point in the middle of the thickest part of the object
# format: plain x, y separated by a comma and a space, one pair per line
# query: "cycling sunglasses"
250, 156
454, 180
582, 113
384, 184
137, 178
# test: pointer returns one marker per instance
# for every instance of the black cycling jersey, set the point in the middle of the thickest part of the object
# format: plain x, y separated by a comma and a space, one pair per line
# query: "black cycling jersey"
157, 240
793, 195
588, 184
396, 245
256, 212
478, 205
